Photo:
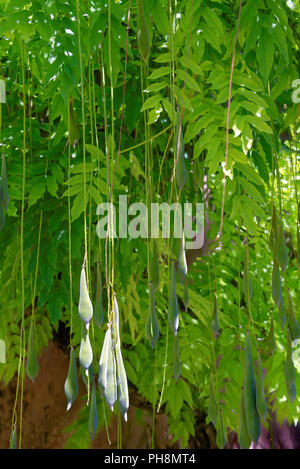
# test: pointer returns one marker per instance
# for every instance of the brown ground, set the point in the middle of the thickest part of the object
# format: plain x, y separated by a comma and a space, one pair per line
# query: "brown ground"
45, 415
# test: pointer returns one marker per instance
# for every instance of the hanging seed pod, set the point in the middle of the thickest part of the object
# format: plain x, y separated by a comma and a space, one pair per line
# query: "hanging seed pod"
212, 404
182, 264
247, 279
221, 438
116, 316
289, 368
143, 33
185, 298
154, 266
176, 358
85, 307
2, 92
71, 383
32, 367
85, 352
281, 251
107, 379
122, 385
276, 284
291, 392
215, 321
180, 170
292, 320
274, 231
13, 440
98, 309
151, 327
173, 315
244, 438
5, 196
261, 405
93, 417
74, 134
271, 342
252, 417
281, 314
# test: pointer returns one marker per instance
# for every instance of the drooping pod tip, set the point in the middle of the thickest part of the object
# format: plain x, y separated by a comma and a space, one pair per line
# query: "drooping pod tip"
125, 416
69, 406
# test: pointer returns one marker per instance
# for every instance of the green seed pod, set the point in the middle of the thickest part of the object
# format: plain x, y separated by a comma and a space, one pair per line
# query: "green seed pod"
215, 321
93, 417
107, 370
71, 383
273, 231
85, 307
180, 170
176, 358
4, 183
2, 207
247, 279
154, 266
212, 404
98, 309
244, 438
281, 251
32, 367
143, 33
271, 342
292, 320
13, 440
151, 327
289, 369
74, 133
261, 405
276, 284
85, 352
252, 417
122, 385
281, 314
173, 315
221, 438
185, 298
182, 264
291, 392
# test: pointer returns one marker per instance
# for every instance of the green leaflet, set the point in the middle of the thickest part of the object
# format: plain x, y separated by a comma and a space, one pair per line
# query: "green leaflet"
71, 383
2, 207
215, 321
176, 358
122, 385
289, 369
85, 351
182, 264
74, 133
281, 251
151, 327
276, 284
274, 230
93, 418
154, 266
5, 195
212, 404
221, 438
261, 405
292, 320
32, 367
247, 279
143, 33
13, 440
252, 417
98, 309
173, 315
244, 438
107, 370
85, 307
271, 342
180, 170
